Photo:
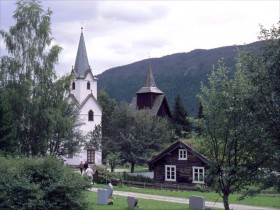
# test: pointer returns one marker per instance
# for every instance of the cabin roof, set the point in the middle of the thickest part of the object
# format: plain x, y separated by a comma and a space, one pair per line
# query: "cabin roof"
178, 144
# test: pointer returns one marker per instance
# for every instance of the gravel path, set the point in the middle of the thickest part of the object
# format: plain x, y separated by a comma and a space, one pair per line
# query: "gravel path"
186, 201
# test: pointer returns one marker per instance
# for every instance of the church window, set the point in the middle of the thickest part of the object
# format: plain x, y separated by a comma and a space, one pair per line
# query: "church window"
73, 85
88, 85
90, 115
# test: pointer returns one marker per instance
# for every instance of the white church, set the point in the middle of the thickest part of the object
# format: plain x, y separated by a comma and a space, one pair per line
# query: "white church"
84, 95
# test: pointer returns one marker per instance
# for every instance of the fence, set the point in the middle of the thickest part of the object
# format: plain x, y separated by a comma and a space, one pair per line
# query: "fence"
162, 186
144, 174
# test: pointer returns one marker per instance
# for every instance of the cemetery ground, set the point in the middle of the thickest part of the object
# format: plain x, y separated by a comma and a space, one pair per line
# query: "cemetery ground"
269, 200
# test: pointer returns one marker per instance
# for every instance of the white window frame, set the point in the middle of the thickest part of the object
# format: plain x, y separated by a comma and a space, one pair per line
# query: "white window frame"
183, 154
198, 174
168, 176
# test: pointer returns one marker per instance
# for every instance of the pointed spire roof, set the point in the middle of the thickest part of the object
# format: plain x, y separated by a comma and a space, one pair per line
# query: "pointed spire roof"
150, 85
81, 63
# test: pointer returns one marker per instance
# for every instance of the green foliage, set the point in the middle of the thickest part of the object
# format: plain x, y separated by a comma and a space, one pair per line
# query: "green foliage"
263, 72
180, 118
41, 120
113, 159
8, 134
95, 138
136, 134
108, 105
104, 176
232, 138
40, 183
201, 188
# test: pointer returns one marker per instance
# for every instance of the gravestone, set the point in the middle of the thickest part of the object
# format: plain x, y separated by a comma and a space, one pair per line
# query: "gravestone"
102, 196
110, 190
197, 202
132, 202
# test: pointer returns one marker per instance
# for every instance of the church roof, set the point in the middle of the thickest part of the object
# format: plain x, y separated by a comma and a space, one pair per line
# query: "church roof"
88, 97
150, 85
75, 101
156, 105
81, 63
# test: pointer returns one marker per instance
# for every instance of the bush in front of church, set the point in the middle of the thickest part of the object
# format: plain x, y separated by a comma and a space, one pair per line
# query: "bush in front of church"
40, 183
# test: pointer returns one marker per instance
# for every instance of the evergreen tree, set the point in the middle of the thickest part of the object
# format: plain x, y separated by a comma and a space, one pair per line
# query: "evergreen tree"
180, 120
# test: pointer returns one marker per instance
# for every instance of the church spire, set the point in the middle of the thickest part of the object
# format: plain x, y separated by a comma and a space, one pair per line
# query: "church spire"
81, 63
150, 81
150, 85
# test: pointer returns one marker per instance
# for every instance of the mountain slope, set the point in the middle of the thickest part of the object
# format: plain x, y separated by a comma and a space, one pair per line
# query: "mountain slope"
180, 73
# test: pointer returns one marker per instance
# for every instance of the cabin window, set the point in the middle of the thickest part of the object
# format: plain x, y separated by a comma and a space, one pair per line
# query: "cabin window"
88, 85
90, 156
90, 115
183, 155
170, 173
198, 175
73, 85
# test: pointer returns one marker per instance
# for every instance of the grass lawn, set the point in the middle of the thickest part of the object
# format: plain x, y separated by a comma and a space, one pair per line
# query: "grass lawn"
120, 203
265, 200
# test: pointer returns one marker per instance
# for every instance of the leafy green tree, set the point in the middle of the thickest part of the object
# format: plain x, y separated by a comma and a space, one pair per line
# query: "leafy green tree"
263, 72
108, 105
136, 134
232, 140
8, 145
95, 138
114, 159
180, 118
41, 114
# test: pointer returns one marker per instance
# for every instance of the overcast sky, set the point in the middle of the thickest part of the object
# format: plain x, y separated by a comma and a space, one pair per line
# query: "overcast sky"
122, 32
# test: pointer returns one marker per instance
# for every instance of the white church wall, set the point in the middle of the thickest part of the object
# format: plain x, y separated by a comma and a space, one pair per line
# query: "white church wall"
81, 92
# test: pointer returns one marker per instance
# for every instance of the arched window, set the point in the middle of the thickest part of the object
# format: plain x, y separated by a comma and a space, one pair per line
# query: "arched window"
73, 85
88, 85
90, 115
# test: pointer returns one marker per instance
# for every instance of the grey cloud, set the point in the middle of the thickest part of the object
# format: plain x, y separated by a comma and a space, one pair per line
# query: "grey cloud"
67, 11
135, 15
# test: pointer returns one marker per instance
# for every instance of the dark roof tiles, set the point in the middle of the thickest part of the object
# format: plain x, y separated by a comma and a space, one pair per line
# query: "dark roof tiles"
81, 63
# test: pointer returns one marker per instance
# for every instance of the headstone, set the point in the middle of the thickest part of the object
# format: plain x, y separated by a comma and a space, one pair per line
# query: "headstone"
132, 202
110, 190
102, 196
197, 202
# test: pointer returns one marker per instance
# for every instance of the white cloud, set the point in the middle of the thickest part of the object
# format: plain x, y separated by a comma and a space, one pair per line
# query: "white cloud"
121, 32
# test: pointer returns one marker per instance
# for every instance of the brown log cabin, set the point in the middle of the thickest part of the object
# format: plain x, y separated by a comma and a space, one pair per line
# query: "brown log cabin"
179, 163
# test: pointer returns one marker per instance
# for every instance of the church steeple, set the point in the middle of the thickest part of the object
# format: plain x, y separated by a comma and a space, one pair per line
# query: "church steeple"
81, 63
150, 85
150, 81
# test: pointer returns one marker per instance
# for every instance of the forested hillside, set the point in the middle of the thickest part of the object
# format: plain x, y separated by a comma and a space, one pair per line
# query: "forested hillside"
180, 73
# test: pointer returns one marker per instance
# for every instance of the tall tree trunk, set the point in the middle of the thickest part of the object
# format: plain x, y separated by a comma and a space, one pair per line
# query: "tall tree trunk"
225, 200
112, 168
132, 168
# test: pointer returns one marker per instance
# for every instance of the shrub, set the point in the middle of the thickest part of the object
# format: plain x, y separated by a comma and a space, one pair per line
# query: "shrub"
40, 183
201, 188
104, 176
137, 178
